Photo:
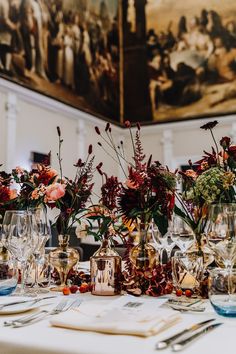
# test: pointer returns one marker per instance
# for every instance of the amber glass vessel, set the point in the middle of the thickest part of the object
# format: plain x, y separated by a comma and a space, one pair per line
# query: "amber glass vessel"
105, 267
63, 259
143, 256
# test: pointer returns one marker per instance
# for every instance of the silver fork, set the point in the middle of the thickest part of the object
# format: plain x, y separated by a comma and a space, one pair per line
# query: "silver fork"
37, 316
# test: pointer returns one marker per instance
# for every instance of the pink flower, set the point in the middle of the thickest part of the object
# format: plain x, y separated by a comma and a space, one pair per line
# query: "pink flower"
55, 191
13, 194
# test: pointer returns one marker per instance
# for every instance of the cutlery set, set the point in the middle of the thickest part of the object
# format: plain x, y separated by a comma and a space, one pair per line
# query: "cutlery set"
62, 306
186, 339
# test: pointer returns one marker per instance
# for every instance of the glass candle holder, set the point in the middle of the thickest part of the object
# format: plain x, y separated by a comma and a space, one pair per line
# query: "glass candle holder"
222, 291
187, 270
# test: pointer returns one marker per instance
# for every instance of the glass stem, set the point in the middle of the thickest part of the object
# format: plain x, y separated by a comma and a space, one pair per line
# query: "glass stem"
36, 278
23, 271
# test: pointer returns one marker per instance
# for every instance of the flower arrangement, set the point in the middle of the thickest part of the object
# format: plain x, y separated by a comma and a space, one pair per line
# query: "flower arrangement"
149, 190
70, 195
106, 212
45, 186
209, 180
8, 196
147, 194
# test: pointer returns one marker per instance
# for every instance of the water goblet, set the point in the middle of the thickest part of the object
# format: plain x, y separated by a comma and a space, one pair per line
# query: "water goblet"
221, 233
18, 240
181, 234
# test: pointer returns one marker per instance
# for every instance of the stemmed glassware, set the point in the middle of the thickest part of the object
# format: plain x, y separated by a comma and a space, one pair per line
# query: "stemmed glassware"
221, 233
41, 234
162, 242
181, 234
17, 238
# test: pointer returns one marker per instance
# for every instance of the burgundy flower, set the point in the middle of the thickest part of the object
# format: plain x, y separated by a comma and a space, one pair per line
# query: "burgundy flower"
209, 125
90, 149
127, 124
225, 142
107, 127
97, 131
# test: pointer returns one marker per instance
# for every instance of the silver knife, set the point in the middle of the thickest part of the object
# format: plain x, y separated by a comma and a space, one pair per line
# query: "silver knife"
164, 344
25, 301
178, 346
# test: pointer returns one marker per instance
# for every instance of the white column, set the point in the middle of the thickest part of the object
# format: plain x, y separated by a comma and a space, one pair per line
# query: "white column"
81, 134
167, 142
11, 117
233, 133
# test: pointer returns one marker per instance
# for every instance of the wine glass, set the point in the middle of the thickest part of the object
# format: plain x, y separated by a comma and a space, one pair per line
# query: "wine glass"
5, 227
18, 240
162, 242
41, 234
221, 233
181, 234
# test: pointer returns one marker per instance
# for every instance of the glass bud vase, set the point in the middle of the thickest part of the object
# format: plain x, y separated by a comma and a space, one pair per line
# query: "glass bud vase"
105, 268
63, 259
143, 256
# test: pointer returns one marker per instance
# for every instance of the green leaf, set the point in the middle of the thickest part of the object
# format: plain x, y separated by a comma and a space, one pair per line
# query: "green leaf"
161, 222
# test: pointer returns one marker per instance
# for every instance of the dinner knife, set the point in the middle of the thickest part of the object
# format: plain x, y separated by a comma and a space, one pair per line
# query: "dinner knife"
25, 301
178, 346
164, 344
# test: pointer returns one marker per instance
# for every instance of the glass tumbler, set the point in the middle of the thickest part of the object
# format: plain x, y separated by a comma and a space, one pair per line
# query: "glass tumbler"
187, 270
8, 277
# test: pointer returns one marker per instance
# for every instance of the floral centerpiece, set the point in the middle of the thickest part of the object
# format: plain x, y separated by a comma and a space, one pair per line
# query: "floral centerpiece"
147, 195
209, 180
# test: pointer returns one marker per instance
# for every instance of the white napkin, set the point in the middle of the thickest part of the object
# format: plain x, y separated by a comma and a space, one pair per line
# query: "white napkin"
126, 315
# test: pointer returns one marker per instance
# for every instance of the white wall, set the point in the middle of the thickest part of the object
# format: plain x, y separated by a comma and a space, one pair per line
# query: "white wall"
28, 123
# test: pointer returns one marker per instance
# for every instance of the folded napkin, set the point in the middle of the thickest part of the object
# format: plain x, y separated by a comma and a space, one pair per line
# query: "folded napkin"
126, 315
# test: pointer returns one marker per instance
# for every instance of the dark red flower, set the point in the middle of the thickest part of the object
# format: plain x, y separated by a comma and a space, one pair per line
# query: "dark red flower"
225, 142
209, 125
107, 127
97, 131
90, 149
127, 124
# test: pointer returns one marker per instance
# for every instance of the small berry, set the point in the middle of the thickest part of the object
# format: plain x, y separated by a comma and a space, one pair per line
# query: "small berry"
188, 293
179, 292
66, 290
73, 289
84, 287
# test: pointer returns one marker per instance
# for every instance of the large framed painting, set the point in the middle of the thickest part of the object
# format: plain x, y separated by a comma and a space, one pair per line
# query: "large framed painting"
191, 48
66, 49
152, 61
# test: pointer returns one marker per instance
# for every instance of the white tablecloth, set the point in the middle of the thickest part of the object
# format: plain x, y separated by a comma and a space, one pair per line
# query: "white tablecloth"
41, 338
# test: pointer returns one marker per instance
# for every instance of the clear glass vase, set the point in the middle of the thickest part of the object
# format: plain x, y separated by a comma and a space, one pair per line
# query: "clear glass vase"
63, 259
143, 256
105, 268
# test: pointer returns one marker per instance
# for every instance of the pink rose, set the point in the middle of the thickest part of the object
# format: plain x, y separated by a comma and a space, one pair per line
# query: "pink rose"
55, 191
